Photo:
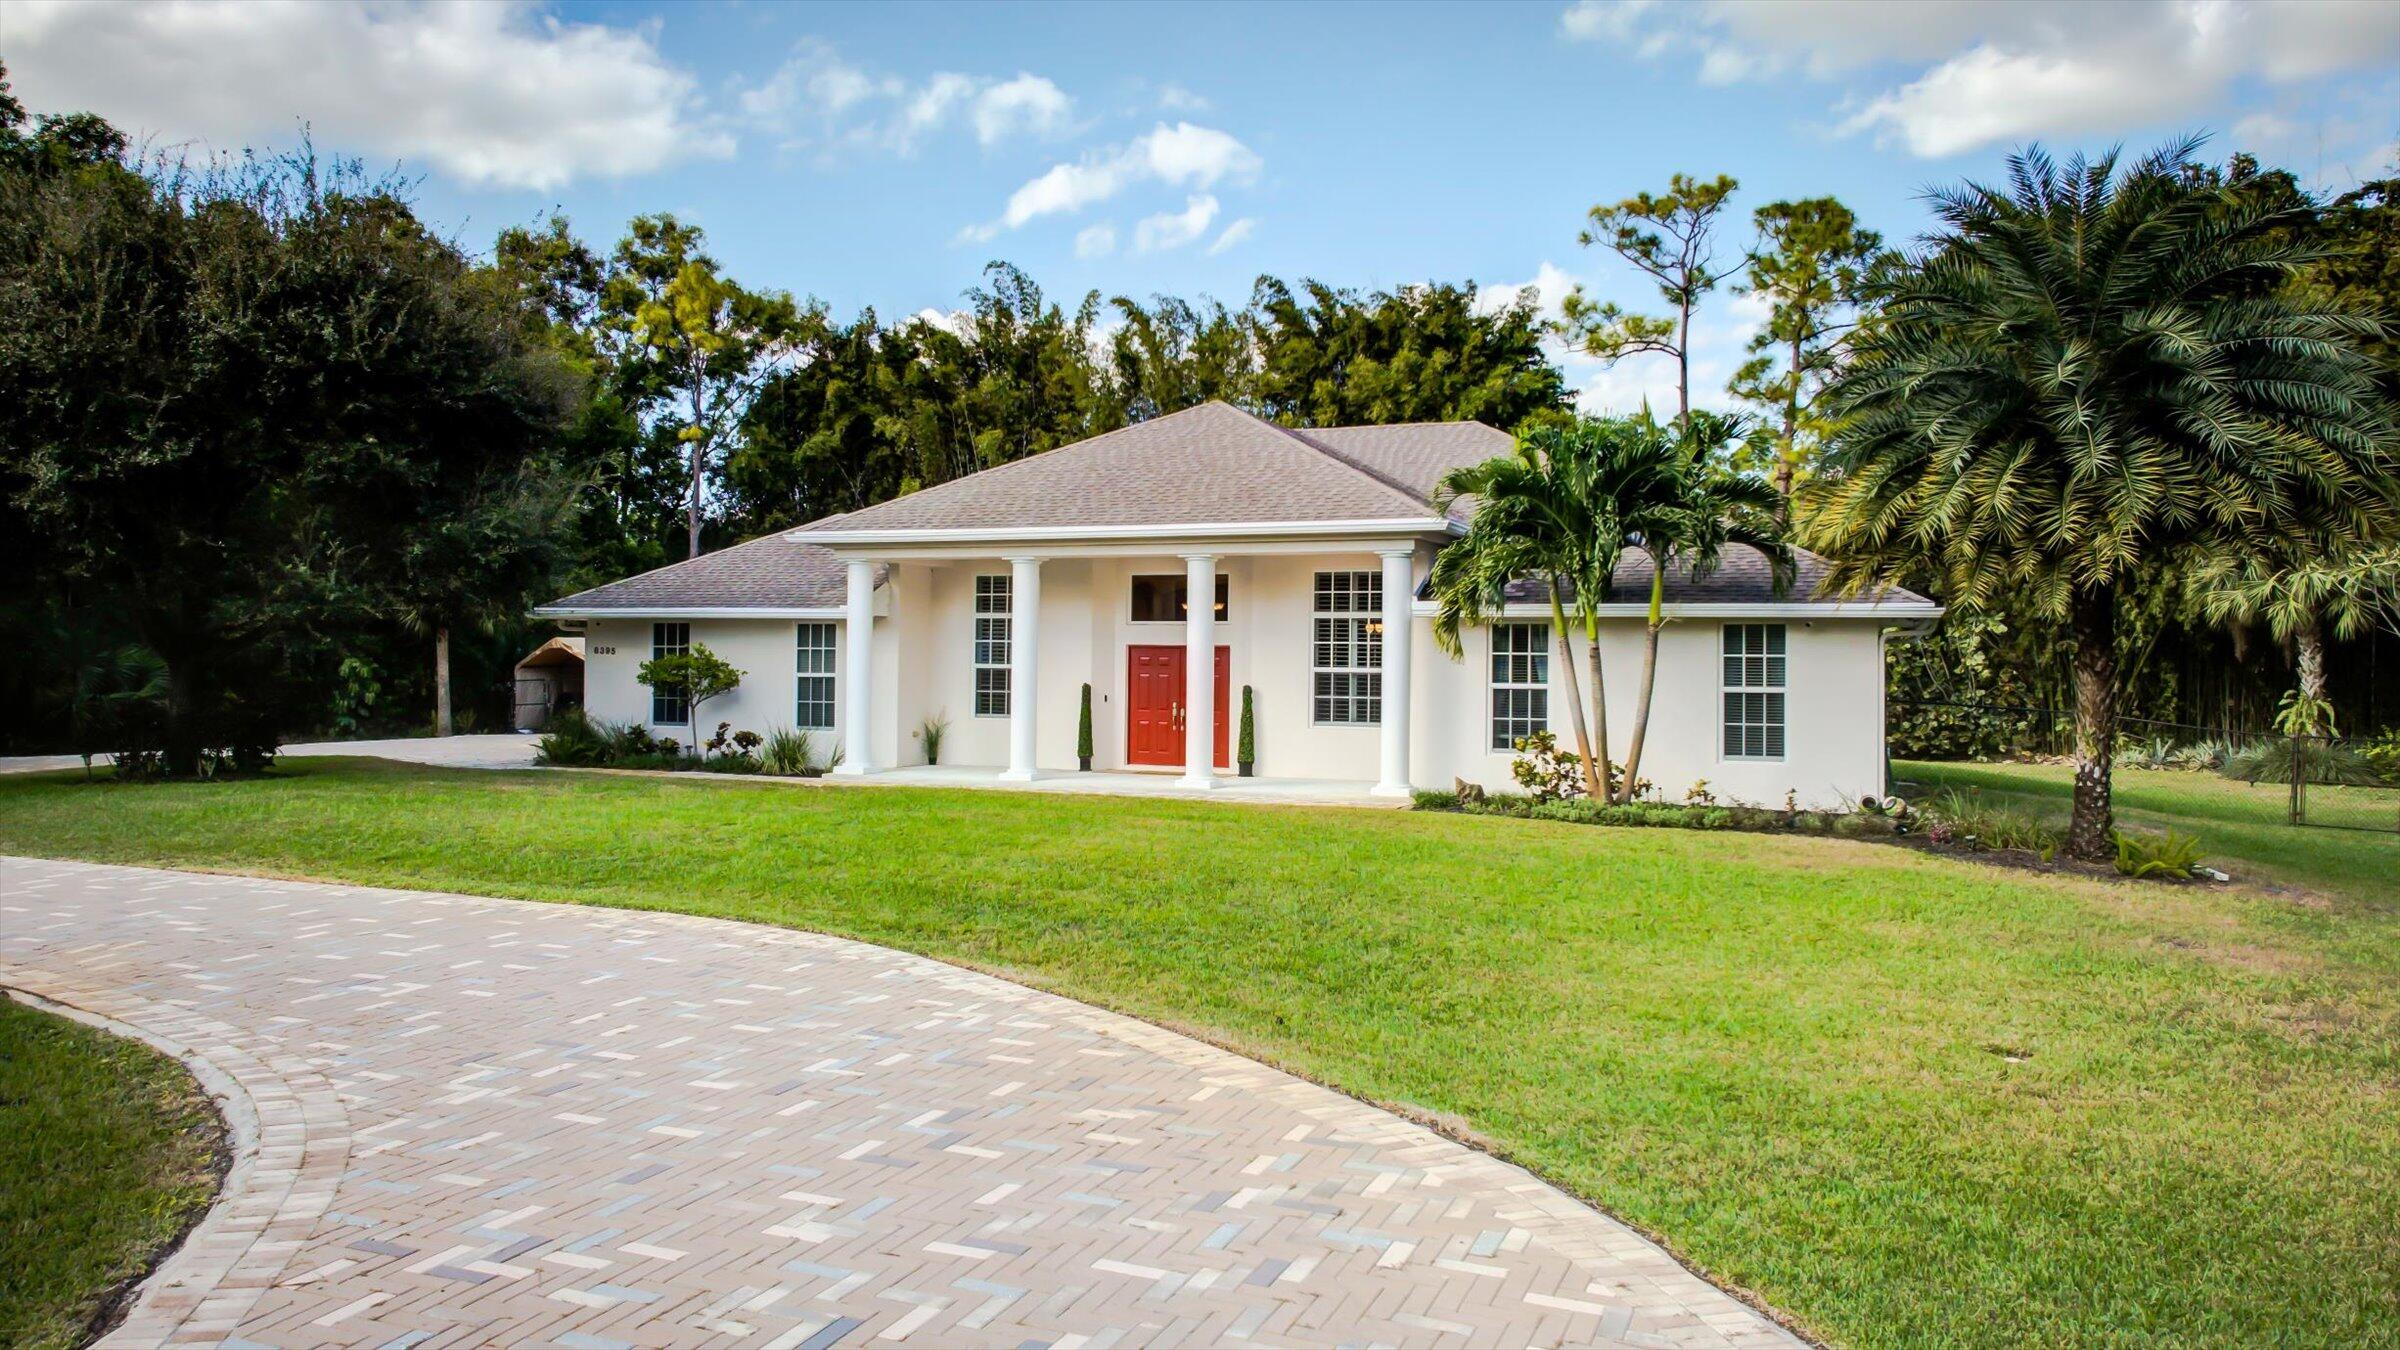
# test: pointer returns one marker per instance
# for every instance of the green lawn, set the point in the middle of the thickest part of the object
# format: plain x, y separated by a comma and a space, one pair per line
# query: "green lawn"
2244, 827
1907, 1100
107, 1153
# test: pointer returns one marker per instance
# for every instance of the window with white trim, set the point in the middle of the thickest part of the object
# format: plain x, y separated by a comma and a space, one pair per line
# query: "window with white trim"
1346, 662
668, 706
992, 609
1520, 682
813, 704
1754, 671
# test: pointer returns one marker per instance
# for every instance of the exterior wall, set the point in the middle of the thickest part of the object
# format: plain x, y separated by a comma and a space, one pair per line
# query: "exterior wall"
924, 668
1833, 711
764, 650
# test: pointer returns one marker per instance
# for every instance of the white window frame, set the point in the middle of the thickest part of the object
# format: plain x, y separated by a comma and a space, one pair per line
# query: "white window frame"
815, 653
670, 639
1754, 701
993, 639
1346, 621
1520, 684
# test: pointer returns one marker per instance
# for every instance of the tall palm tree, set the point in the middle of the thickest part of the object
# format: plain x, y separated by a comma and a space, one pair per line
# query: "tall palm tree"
1550, 511
1684, 518
2082, 370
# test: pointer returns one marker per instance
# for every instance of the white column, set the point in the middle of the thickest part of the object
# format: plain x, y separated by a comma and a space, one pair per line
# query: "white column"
1399, 593
858, 675
1024, 664
1200, 671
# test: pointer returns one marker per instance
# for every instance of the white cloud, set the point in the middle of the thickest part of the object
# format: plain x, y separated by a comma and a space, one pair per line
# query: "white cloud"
1174, 229
1096, 241
499, 94
1985, 95
818, 97
1941, 77
1027, 103
1182, 155
1235, 234
1550, 285
1175, 98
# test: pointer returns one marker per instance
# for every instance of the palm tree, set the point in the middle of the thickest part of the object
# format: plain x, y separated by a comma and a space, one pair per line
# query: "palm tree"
2302, 587
1688, 514
1548, 511
2084, 370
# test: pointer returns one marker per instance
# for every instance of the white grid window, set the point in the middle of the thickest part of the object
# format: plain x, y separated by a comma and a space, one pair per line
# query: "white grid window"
813, 709
668, 706
1346, 666
1520, 682
1754, 671
992, 605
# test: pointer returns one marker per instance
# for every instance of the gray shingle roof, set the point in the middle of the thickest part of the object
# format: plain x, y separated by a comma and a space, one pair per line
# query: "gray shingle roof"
771, 572
1742, 577
1416, 456
1213, 464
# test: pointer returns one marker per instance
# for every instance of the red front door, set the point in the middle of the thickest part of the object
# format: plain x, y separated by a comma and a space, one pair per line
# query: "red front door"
1154, 705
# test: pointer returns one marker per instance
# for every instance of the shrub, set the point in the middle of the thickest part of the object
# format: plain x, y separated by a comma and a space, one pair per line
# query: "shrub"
2154, 855
1425, 800
2331, 762
1975, 823
1546, 771
627, 741
575, 739
2384, 753
792, 754
930, 732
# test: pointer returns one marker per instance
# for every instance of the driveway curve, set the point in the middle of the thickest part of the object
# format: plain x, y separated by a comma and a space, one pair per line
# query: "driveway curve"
481, 1120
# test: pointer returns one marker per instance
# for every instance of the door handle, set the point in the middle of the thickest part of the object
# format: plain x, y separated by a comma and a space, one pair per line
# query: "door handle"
1178, 714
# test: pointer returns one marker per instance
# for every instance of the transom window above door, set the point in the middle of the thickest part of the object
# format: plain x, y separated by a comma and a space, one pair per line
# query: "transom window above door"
1166, 598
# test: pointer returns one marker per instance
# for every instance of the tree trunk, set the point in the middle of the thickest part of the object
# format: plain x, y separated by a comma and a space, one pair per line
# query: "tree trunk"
2093, 616
1787, 462
1641, 706
1594, 778
1683, 365
441, 680
2308, 647
699, 460
1591, 636
182, 747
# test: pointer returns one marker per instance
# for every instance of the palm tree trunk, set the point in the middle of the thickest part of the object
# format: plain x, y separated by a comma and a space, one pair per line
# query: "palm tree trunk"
441, 680
1641, 707
2093, 616
1592, 777
1591, 637
2308, 647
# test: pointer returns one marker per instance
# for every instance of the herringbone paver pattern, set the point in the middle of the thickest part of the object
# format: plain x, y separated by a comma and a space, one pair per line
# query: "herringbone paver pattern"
489, 1121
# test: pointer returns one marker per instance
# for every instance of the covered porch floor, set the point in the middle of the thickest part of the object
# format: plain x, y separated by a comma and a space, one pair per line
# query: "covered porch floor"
1120, 783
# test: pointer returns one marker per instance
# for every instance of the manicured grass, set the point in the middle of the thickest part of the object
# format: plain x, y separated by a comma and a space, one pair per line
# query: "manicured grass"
1906, 1099
108, 1153
2244, 827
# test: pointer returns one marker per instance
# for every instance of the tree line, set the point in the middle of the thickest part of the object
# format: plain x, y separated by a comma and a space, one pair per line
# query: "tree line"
278, 458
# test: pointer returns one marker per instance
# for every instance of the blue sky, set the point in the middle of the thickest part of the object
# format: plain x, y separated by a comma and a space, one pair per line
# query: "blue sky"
881, 154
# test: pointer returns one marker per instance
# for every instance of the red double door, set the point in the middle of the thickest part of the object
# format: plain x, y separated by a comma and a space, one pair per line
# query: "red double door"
1154, 707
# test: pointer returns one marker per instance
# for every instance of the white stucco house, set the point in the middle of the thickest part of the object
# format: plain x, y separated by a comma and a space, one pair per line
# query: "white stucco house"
991, 600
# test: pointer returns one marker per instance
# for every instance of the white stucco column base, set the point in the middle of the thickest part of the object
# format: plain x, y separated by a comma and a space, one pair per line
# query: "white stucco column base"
858, 672
1399, 623
1200, 671
1024, 665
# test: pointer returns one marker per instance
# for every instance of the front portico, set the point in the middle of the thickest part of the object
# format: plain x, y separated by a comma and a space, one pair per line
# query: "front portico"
1000, 645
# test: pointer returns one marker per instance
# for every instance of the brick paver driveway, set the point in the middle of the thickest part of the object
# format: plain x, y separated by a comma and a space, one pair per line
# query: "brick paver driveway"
484, 1121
